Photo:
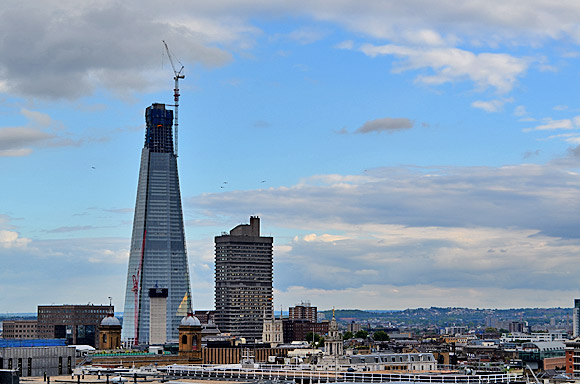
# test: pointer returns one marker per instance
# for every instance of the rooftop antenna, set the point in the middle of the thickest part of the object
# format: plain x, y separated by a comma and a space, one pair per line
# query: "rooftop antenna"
177, 75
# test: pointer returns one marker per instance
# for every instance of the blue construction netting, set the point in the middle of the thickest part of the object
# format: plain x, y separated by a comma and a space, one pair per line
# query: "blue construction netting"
11, 343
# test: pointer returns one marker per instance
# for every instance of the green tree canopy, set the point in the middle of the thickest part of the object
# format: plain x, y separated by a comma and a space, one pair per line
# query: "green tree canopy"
362, 334
347, 335
315, 338
381, 336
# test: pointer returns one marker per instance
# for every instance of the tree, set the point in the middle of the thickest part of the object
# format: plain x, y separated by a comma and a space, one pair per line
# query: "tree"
347, 335
315, 338
362, 334
381, 336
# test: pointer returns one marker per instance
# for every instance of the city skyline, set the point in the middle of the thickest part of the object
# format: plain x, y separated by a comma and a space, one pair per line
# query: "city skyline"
402, 155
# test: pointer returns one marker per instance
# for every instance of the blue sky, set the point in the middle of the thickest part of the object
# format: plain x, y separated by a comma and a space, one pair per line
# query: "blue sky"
402, 154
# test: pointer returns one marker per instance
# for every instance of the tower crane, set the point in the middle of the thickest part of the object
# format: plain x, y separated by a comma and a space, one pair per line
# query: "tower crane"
177, 75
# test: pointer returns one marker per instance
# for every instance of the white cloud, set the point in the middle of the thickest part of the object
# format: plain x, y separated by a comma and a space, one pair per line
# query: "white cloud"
386, 124
325, 238
347, 45
496, 70
380, 296
491, 105
10, 239
550, 124
307, 35
40, 131
520, 110
424, 37
72, 49
448, 229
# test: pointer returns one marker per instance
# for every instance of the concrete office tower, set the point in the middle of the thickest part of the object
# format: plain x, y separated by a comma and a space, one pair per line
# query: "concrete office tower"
576, 318
158, 316
158, 257
243, 280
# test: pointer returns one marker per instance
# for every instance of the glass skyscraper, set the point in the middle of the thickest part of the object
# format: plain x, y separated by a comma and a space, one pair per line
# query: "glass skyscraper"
158, 257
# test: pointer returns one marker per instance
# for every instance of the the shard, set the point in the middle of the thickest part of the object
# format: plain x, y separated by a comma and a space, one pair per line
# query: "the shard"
158, 257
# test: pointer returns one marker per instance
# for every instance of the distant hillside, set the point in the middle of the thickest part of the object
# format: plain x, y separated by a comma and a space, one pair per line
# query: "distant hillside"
441, 317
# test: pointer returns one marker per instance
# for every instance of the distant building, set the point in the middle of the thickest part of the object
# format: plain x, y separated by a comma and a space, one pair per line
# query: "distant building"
19, 329
333, 344
396, 361
78, 324
534, 337
243, 280
353, 327
533, 354
572, 357
454, 330
296, 330
518, 326
205, 317
304, 311
576, 318
272, 331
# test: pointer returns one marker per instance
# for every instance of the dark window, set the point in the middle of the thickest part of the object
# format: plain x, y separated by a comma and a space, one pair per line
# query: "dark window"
30, 366
184, 339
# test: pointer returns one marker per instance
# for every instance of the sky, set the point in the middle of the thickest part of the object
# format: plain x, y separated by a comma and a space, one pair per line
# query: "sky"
402, 154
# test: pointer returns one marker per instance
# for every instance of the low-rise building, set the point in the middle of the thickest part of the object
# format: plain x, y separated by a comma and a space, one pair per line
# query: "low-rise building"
36, 361
76, 323
533, 354
396, 362
19, 329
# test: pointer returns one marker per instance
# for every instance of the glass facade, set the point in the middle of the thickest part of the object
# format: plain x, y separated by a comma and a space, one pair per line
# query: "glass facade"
158, 257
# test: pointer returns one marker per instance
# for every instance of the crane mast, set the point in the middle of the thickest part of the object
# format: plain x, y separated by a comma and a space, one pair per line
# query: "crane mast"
176, 76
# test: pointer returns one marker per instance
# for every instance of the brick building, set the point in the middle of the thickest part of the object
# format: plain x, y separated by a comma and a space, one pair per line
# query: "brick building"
19, 329
296, 330
76, 323
304, 311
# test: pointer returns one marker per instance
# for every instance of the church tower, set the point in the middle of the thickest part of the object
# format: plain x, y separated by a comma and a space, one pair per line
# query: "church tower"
333, 343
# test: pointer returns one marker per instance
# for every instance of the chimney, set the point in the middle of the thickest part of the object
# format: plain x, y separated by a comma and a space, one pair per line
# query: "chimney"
255, 225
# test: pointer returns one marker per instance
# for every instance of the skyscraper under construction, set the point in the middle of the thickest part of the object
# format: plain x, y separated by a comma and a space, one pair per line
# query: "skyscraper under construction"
158, 257
243, 280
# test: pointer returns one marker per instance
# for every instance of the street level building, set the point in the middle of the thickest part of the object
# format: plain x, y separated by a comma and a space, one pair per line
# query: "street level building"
110, 332
158, 257
36, 361
78, 324
272, 331
243, 280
